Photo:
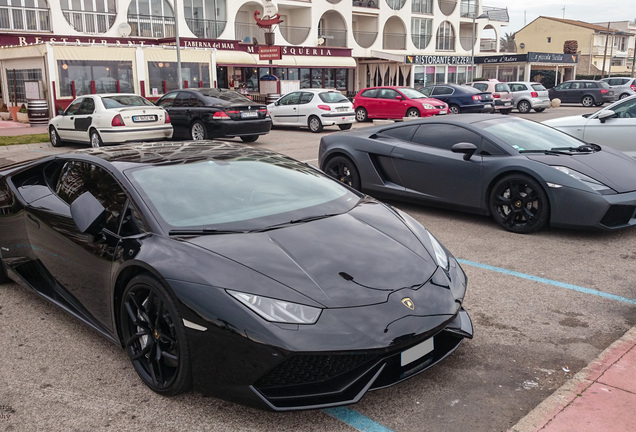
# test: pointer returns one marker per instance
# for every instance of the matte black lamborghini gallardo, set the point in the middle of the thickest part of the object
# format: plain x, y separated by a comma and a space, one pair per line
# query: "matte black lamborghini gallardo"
525, 174
237, 271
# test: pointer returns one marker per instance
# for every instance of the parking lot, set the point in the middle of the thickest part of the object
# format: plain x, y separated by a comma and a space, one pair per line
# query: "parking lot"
543, 306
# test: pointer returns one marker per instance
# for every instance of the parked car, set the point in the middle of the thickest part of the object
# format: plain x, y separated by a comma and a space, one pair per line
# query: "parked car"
586, 92
205, 113
110, 118
313, 108
613, 125
527, 96
395, 103
238, 271
623, 87
461, 99
524, 174
500, 92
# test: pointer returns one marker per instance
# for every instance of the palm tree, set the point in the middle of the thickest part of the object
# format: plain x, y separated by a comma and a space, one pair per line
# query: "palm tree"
507, 43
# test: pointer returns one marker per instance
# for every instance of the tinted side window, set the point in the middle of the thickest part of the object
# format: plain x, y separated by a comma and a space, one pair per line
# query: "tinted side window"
444, 136
404, 133
306, 97
290, 99
481, 86
80, 177
442, 91
167, 100
87, 107
517, 87
74, 106
370, 93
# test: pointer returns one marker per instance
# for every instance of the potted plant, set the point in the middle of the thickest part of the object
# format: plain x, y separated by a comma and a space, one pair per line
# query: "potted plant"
14, 112
23, 115
4, 113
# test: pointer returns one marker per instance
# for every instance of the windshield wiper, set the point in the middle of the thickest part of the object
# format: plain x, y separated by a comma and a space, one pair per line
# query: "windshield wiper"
583, 148
204, 231
297, 221
551, 151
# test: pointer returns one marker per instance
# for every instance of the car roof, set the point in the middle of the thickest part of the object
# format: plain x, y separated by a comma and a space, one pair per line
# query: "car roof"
173, 152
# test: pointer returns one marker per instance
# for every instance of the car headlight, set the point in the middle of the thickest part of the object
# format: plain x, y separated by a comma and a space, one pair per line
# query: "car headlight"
428, 106
279, 311
441, 258
589, 181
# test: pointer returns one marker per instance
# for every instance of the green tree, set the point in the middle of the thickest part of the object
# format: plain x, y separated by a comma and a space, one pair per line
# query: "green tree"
508, 43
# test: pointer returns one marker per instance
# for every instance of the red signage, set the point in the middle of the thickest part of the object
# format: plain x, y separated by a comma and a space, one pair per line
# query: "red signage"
269, 53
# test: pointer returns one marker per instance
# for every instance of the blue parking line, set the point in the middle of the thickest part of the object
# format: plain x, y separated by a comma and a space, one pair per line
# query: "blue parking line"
550, 282
355, 420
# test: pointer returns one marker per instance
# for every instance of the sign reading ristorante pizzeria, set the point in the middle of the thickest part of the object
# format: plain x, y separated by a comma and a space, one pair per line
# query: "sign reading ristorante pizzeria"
29, 39
438, 60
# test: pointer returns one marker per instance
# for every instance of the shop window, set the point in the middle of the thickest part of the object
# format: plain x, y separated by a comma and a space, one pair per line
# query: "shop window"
32, 15
15, 83
163, 76
151, 18
80, 77
89, 16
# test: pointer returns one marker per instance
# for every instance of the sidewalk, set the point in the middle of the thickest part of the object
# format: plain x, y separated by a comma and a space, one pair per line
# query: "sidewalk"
11, 128
601, 397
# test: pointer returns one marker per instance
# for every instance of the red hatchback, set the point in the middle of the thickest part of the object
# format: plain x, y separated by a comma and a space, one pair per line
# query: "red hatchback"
395, 103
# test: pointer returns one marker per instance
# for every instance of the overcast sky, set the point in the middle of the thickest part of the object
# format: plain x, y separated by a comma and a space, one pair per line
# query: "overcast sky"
523, 12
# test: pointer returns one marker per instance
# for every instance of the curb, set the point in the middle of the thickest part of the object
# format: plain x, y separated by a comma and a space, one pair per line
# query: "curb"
551, 407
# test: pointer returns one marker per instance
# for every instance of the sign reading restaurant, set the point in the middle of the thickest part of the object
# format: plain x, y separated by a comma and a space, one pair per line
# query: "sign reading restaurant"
438, 60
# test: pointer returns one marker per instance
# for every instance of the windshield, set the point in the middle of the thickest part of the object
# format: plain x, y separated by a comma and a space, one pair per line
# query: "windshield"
246, 194
412, 93
526, 135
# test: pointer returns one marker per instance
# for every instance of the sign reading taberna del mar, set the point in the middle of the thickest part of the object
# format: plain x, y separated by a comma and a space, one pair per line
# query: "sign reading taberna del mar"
531, 57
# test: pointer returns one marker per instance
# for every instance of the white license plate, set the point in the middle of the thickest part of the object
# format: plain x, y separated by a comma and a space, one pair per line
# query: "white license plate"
144, 118
506, 103
442, 112
249, 114
488, 106
342, 109
417, 352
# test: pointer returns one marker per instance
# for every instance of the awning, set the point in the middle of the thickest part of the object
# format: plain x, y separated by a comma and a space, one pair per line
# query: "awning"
7, 53
311, 61
235, 58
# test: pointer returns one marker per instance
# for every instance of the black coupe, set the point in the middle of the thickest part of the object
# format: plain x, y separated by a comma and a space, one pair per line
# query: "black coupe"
525, 174
237, 271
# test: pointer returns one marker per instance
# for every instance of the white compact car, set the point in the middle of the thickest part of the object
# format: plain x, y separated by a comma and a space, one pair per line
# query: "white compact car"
112, 118
614, 126
528, 96
313, 108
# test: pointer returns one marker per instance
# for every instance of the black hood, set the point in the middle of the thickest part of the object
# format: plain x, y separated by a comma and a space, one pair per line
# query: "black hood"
354, 259
616, 170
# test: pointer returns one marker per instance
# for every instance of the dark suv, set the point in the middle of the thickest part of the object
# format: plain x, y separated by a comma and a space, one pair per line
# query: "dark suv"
586, 92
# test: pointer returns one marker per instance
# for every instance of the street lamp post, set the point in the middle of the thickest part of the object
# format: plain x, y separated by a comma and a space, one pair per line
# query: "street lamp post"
472, 53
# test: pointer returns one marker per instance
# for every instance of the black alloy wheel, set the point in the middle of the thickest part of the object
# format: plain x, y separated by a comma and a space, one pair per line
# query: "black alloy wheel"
524, 107
344, 170
56, 141
519, 204
154, 336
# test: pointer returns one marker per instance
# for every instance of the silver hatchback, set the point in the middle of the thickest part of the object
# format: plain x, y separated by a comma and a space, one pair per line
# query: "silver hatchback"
623, 87
528, 96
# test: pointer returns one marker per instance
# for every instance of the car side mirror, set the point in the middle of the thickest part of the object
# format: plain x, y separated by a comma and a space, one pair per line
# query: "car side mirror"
466, 148
88, 213
606, 115
399, 98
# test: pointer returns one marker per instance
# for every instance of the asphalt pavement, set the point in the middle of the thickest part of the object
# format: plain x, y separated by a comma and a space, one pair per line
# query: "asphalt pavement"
599, 397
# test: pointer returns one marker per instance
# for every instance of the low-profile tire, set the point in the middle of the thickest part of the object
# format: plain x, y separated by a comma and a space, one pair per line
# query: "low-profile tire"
623, 96
198, 131
539, 110
154, 336
345, 126
361, 114
344, 170
412, 112
56, 141
249, 138
314, 124
524, 107
587, 101
453, 109
519, 204
96, 140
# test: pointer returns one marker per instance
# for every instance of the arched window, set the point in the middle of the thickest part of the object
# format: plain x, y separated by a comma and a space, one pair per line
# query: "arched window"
30, 15
396, 4
445, 37
205, 18
151, 18
89, 16
421, 32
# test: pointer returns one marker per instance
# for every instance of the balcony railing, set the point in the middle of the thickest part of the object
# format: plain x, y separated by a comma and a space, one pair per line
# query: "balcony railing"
294, 35
21, 18
206, 29
90, 22
394, 41
365, 39
467, 43
151, 26
367, 3
249, 32
421, 41
488, 45
334, 38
